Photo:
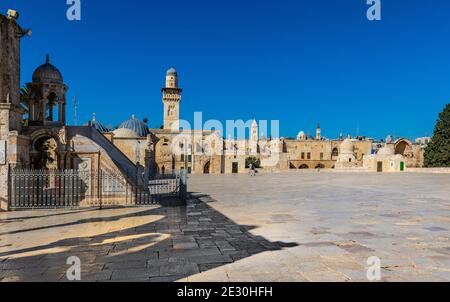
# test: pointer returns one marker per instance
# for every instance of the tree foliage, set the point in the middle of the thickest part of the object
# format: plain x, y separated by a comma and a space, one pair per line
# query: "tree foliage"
437, 154
255, 162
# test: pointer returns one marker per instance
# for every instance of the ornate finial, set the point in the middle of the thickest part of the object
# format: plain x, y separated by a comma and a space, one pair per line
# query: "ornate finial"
7, 98
94, 117
47, 59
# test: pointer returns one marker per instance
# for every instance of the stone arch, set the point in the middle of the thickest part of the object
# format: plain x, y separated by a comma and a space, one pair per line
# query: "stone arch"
335, 152
45, 133
45, 153
304, 167
320, 166
403, 147
292, 166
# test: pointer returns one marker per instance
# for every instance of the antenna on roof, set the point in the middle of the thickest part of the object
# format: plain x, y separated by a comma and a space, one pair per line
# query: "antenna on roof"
75, 111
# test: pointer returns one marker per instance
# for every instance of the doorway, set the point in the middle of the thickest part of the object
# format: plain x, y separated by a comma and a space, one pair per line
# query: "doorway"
235, 168
206, 168
379, 167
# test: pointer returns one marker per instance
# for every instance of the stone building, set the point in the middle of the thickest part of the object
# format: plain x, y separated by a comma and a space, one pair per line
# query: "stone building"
43, 140
12, 142
385, 160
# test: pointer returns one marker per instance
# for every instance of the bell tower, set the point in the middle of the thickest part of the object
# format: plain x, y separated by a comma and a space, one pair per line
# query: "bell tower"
47, 96
318, 133
171, 97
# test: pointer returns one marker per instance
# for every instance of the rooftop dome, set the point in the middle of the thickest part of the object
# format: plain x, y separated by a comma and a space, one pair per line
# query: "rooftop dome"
347, 146
47, 73
171, 71
99, 126
301, 135
125, 133
135, 125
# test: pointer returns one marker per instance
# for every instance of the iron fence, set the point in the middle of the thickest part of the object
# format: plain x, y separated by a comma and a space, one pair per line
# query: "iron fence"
29, 189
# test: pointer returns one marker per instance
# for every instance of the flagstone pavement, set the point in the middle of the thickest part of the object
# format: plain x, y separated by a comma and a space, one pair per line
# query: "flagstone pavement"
303, 226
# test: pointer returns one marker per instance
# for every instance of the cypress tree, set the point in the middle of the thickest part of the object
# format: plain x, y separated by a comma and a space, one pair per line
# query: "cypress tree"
437, 154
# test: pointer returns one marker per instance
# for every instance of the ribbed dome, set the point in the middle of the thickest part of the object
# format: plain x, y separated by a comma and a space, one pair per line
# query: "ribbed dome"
47, 73
347, 146
135, 125
171, 71
99, 126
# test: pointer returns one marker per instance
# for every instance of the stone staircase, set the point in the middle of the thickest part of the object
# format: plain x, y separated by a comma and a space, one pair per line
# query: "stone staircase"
122, 162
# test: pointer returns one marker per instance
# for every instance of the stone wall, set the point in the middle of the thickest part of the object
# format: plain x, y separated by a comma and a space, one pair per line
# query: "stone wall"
10, 113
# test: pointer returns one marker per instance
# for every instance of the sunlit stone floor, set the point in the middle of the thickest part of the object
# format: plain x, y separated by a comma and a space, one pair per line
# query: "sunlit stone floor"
303, 226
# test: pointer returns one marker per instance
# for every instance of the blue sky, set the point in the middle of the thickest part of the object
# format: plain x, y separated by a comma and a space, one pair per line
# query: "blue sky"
300, 62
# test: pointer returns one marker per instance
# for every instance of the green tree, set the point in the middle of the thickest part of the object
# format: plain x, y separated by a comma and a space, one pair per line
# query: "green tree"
437, 154
255, 162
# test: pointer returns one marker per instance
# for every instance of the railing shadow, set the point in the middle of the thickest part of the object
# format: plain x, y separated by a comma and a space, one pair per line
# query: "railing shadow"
186, 241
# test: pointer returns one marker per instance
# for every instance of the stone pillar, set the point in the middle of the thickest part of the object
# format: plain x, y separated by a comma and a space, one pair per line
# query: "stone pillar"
44, 116
10, 113
31, 110
4, 133
60, 112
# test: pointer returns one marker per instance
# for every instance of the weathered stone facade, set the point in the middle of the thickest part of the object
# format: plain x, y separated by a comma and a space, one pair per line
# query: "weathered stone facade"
133, 146
10, 111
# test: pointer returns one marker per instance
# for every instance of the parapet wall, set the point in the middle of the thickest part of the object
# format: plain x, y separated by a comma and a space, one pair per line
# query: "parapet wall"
429, 170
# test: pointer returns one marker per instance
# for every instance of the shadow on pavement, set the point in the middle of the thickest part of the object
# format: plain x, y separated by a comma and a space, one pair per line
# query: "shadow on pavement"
186, 241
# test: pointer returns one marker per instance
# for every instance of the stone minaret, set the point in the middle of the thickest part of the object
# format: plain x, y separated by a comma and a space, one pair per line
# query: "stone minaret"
254, 138
171, 100
318, 133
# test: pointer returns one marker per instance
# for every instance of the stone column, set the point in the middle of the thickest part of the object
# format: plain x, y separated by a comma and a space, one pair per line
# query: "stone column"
60, 112
31, 110
4, 134
50, 106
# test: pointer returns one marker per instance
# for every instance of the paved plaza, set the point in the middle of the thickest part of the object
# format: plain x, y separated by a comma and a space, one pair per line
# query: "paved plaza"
299, 226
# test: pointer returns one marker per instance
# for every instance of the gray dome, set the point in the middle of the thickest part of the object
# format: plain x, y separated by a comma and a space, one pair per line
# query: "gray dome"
135, 125
171, 71
99, 126
47, 73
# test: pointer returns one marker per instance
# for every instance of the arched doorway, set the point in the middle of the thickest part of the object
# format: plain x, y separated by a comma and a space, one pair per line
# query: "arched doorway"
320, 166
404, 148
335, 152
304, 167
207, 168
45, 155
163, 170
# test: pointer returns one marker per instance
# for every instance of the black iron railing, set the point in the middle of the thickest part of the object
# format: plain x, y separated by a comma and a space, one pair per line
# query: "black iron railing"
29, 189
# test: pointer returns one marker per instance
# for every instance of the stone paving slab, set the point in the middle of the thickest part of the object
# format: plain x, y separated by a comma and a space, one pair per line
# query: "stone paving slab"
279, 227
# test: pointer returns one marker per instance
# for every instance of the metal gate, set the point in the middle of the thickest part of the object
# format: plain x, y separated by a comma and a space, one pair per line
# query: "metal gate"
29, 189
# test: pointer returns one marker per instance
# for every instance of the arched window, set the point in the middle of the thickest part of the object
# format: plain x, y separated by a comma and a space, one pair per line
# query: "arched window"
335, 152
